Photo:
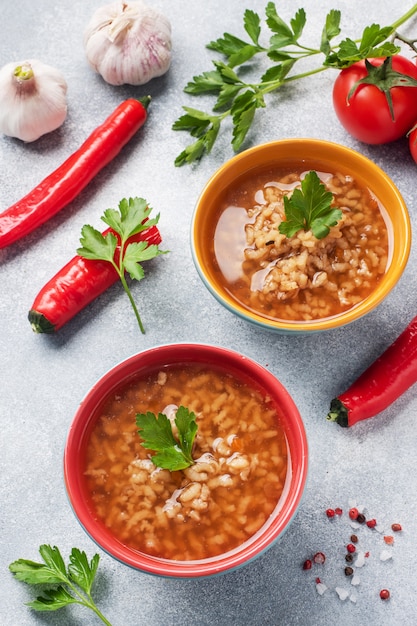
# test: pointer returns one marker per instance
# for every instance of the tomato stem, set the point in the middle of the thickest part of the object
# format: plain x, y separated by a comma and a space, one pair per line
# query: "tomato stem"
410, 42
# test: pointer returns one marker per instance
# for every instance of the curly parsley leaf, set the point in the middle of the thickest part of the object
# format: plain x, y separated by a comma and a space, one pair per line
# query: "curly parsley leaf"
156, 431
130, 220
309, 208
74, 583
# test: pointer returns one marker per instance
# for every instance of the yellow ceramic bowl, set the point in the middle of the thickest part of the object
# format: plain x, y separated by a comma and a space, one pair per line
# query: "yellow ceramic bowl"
312, 153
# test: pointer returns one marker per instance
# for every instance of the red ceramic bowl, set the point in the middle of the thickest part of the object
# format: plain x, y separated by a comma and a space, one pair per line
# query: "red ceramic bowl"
242, 368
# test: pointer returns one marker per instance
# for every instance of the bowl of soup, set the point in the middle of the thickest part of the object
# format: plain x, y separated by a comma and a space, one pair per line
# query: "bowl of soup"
298, 279
232, 501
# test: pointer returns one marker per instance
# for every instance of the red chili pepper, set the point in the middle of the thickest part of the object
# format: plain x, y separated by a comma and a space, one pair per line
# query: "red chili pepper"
66, 182
77, 284
381, 384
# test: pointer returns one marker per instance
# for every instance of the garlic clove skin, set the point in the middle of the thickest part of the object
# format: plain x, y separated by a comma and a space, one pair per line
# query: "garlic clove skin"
128, 43
33, 99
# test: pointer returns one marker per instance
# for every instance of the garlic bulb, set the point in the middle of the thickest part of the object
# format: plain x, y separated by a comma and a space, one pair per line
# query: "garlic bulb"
128, 43
33, 99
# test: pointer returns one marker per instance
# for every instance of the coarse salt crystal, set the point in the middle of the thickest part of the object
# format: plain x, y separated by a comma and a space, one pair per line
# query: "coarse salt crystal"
355, 581
354, 524
360, 559
342, 593
321, 588
385, 555
353, 598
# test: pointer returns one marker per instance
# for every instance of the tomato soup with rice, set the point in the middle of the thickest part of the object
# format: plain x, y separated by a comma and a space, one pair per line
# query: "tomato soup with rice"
216, 504
298, 278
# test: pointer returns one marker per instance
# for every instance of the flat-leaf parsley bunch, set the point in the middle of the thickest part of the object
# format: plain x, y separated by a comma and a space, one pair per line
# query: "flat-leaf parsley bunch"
124, 255
240, 100
71, 584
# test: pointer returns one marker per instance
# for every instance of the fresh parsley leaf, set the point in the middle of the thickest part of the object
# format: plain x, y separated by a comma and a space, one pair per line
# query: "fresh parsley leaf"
199, 124
207, 82
52, 600
132, 217
298, 22
74, 582
309, 208
125, 256
373, 44
227, 45
252, 25
243, 111
245, 54
156, 431
187, 429
330, 31
277, 73
96, 246
277, 25
81, 570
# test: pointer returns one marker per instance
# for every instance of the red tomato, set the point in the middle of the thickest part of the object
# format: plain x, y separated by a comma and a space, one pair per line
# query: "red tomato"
412, 138
366, 115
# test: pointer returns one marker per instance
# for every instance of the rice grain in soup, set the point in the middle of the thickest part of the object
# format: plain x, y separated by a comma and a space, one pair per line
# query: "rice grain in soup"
214, 505
299, 278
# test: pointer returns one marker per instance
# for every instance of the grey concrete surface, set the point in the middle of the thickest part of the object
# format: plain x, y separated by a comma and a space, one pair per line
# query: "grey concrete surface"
43, 378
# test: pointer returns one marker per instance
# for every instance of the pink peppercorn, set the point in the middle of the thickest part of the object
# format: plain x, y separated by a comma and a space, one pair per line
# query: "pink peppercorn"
353, 513
384, 594
389, 539
338, 511
350, 548
330, 513
307, 564
396, 528
371, 523
319, 557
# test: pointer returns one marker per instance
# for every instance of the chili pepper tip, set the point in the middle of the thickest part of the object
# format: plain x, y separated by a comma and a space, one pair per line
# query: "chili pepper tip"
338, 413
145, 101
39, 323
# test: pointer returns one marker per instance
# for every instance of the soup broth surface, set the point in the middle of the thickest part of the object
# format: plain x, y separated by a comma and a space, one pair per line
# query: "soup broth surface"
214, 505
298, 278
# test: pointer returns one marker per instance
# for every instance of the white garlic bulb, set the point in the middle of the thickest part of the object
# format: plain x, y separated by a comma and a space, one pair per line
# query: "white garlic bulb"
33, 99
128, 43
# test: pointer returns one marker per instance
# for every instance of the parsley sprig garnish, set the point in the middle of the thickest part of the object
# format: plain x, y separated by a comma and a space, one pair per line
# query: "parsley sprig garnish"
72, 584
131, 219
309, 208
156, 431
239, 99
